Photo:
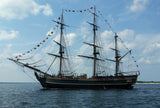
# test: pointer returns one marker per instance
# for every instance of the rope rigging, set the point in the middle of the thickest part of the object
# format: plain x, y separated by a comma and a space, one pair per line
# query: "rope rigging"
67, 63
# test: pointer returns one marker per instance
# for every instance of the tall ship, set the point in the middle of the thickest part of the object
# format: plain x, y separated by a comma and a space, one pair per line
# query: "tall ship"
68, 79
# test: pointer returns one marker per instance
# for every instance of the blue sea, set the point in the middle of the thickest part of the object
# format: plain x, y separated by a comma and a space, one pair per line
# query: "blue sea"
32, 95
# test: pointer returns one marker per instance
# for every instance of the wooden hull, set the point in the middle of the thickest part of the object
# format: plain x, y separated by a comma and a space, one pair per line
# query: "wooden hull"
125, 82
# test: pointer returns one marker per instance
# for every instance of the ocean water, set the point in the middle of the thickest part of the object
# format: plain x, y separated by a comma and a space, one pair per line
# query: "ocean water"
32, 95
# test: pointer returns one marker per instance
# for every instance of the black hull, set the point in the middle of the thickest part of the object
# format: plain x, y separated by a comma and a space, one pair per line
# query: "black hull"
124, 82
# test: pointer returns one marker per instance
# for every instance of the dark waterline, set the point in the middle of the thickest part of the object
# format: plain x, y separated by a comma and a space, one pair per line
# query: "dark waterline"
32, 95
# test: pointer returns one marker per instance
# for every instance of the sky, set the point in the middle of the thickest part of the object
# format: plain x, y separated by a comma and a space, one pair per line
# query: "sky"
24, 24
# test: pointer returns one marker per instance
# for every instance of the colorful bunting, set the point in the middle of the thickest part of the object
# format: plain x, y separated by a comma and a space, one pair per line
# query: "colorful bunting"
83, 10
57, 22
114, 32
52, 32
106, 21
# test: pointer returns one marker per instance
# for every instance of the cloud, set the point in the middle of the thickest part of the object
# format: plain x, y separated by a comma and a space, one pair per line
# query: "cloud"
19, 9
5, 52
47, 10
147, 50
151, 50
85, 33
8, 68
69, 38
107, 35
147, 46
54, 48
138, 5
127, 35
8, 35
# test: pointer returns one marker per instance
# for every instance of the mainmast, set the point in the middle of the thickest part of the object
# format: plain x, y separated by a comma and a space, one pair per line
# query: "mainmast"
95, 52
94, 42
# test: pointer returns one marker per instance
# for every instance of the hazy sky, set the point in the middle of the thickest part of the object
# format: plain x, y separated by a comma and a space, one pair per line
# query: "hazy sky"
24, 24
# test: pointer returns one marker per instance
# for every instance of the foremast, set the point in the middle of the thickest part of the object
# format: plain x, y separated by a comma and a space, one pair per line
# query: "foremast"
60, 56
61, 46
